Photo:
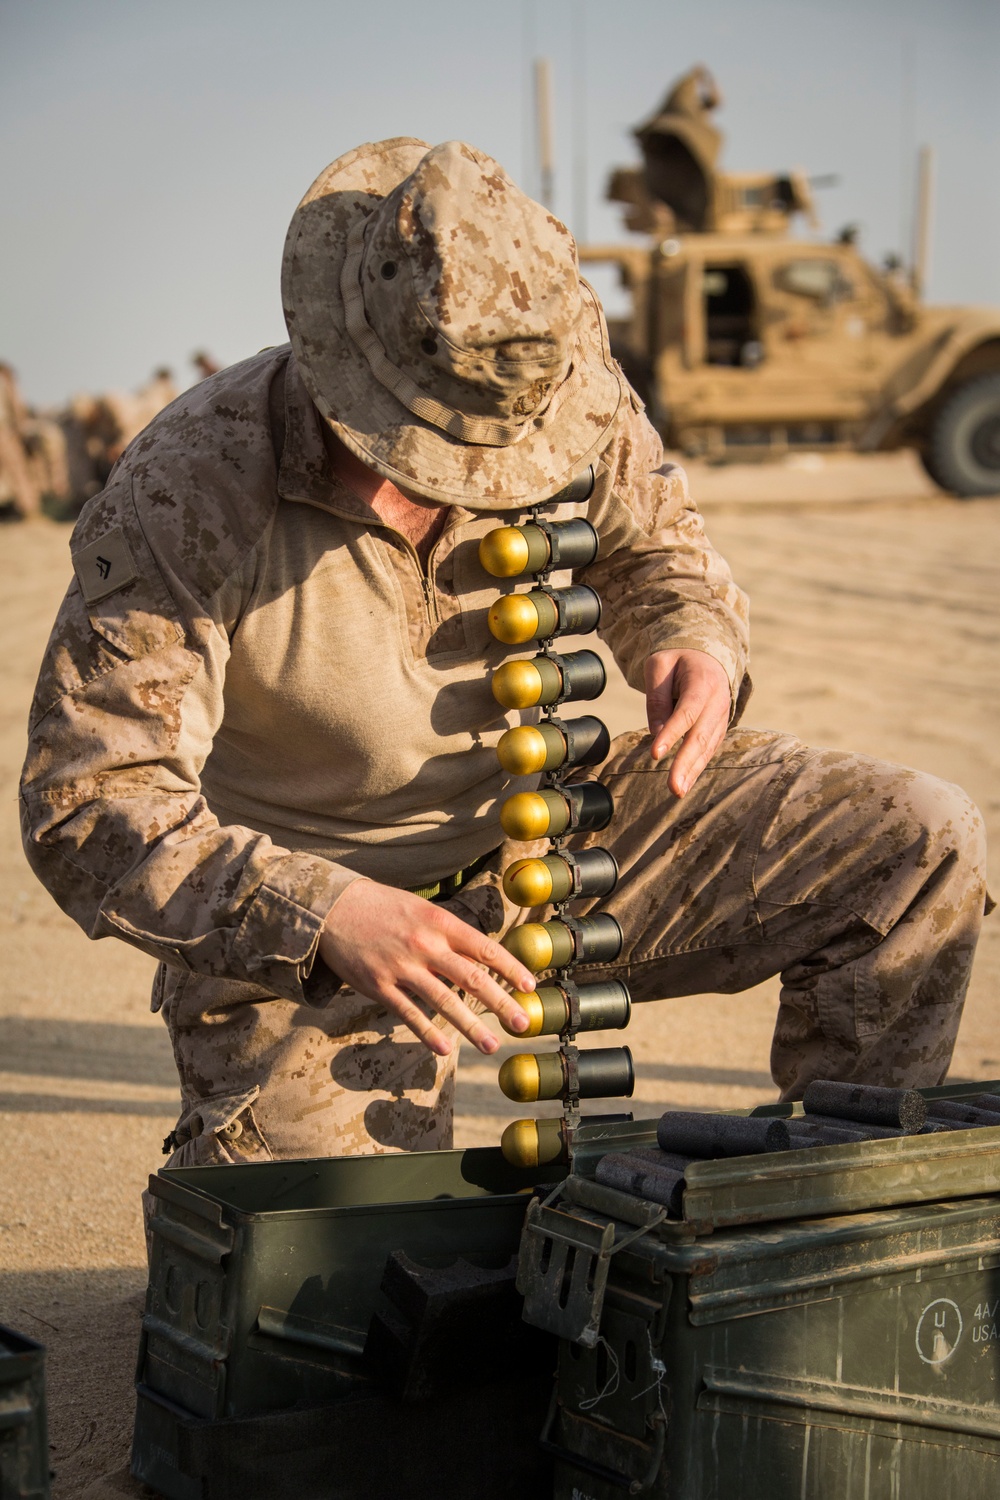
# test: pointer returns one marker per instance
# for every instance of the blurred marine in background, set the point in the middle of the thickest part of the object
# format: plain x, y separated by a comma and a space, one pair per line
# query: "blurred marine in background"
262, 747
58, 460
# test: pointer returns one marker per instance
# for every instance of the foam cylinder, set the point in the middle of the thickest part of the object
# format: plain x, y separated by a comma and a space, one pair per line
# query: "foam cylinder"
864, 1130
668, 1159
707, 1135
960, 1112
837, 1133
868, 1103
642, 1179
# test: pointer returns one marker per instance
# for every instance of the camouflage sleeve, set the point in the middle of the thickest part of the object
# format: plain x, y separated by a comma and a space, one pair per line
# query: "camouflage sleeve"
664, 586
114, 823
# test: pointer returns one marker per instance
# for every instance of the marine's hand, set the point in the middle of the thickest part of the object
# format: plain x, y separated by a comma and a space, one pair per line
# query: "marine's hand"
687, 697
405, 952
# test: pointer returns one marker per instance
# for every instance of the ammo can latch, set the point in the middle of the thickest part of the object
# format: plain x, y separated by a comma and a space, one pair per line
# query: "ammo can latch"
564, 1260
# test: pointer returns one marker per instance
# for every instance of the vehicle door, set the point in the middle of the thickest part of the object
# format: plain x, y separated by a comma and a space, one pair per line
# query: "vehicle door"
822, 328
720, 374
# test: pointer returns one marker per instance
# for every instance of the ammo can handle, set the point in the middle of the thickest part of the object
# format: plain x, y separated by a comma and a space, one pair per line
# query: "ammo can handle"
603, 1471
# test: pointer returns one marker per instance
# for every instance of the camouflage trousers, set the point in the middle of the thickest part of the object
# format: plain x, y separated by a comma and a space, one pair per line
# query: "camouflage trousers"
860, 883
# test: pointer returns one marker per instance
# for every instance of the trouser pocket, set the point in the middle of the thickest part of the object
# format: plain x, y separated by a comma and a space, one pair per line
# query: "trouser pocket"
219, 1129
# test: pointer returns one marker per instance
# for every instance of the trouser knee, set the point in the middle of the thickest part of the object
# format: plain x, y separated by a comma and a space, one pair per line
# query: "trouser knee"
951, 822
920, 848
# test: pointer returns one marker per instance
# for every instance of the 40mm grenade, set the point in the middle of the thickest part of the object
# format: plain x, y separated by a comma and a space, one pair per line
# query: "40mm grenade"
606, 1006
602, 1073
537, 815
544, 680
518, 618
513, 551
571, 940
534, 1143
542, 747
561, 877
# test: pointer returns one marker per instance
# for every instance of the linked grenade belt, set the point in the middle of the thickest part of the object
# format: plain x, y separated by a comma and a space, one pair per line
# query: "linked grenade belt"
553, 747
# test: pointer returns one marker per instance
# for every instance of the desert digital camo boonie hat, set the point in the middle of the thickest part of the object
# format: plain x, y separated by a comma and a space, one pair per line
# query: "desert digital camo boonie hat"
441, 326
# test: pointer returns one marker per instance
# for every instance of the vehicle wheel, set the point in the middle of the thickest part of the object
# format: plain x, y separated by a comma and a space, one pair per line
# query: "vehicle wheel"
964, 452
926, 457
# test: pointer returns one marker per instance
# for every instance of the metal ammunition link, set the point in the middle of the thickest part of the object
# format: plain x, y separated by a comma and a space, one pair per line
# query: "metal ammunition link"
511, 552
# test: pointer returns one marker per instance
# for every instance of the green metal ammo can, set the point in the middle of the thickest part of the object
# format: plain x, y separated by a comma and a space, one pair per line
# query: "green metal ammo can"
345, 1328
822, 1324
24, 1446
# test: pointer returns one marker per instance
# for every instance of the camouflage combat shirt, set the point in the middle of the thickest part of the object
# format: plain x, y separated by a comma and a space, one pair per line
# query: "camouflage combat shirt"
253, 693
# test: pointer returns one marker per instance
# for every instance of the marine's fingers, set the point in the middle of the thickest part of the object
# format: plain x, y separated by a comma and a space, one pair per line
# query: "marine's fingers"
433, 992
659, 705
699, 746
687, 711
483, 950
411, 1014
477, 981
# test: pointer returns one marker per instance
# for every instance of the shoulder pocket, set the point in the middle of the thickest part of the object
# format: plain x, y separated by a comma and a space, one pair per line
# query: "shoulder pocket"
137, 617
126, 599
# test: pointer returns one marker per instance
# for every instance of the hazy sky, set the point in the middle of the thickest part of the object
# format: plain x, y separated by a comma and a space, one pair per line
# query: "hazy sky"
153, 150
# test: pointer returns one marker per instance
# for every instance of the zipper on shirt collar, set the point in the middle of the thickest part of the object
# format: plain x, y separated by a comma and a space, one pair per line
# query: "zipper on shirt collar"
430, 603
424, 574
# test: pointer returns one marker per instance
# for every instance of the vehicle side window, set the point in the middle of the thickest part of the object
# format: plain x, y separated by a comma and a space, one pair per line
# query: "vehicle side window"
821, 280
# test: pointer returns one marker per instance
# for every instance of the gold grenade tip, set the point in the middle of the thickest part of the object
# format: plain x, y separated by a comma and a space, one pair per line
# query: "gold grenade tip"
530, 1003
531, 945
520, 1145
532, 1143
519, 1078
527, 882
504, 552
513, 619
526, 816
517, 684
522, 751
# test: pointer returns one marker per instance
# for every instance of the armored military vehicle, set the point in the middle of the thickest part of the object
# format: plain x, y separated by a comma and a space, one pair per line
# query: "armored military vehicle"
746, 342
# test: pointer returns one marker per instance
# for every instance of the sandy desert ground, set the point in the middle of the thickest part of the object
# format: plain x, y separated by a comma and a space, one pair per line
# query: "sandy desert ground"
876, 622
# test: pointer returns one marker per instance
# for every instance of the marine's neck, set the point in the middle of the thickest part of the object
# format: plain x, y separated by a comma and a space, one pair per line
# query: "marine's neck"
420, 521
